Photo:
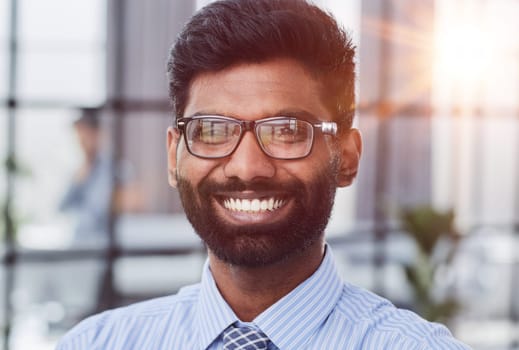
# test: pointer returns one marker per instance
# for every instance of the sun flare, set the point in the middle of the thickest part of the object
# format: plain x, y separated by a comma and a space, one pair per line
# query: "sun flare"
463, 53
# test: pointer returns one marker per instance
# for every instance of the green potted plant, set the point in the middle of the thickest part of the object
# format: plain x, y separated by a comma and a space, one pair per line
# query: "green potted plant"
436, 239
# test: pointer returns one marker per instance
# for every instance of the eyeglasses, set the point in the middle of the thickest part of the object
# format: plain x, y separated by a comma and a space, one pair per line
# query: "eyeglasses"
213, 136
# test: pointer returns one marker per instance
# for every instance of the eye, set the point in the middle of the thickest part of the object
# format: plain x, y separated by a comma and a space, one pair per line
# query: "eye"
212, 131
292, 131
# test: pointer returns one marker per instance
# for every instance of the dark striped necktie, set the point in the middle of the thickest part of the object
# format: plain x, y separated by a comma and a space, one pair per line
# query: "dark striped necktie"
244, 338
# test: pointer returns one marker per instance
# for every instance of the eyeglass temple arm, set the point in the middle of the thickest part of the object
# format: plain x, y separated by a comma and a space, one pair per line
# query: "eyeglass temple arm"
327, 127
180, 123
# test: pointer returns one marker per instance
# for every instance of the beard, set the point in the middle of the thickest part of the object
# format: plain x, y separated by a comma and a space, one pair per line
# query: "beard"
261, 244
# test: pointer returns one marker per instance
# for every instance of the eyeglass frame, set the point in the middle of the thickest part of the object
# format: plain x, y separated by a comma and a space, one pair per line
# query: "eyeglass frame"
326, 127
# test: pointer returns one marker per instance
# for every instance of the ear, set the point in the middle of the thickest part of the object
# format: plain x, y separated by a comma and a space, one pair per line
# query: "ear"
350, 146
173, 139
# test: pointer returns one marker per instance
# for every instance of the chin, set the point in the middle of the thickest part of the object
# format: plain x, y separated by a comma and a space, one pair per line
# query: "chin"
259, 245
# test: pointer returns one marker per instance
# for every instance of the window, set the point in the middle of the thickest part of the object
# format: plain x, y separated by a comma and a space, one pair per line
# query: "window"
475, 96
59, 64
62, 51
4, 36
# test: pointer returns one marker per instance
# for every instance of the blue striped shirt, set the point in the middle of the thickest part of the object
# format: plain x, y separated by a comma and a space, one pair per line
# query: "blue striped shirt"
323, 312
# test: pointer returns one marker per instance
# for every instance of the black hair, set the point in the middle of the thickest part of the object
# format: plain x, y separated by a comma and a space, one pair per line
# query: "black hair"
89, 116
229, 32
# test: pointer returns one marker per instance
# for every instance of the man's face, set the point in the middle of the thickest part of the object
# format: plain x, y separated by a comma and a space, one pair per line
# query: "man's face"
88, 139
250, 209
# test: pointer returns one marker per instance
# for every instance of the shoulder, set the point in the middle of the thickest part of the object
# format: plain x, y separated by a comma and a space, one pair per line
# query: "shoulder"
133, 321
378, 322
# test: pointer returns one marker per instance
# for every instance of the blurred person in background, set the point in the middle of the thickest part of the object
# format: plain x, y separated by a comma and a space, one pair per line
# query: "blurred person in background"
263, 96
90, 196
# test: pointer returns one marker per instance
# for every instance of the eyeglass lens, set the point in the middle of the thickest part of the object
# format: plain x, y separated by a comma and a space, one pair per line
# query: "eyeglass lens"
289, 138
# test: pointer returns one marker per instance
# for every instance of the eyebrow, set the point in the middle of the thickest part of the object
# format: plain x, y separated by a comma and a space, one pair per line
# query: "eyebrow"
298, 113
197, 114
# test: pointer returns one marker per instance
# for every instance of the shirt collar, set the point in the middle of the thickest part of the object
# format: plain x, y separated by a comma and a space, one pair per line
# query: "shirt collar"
292, 321
213, 313
289, 323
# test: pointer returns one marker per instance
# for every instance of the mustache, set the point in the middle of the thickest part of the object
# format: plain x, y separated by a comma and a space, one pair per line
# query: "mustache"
237, 185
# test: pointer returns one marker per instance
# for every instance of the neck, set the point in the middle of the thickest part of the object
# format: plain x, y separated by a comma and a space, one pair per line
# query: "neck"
91, 156
250, 291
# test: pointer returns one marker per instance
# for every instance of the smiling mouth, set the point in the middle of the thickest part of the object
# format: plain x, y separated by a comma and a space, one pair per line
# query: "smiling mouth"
253, 205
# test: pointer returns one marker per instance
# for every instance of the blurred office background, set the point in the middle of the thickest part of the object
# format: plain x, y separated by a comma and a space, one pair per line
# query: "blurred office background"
438, 106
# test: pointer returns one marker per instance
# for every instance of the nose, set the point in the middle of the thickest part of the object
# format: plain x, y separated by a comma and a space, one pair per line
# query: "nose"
248, 162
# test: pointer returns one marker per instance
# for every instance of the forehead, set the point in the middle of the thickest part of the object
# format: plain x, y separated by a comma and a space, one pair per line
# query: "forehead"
253, 91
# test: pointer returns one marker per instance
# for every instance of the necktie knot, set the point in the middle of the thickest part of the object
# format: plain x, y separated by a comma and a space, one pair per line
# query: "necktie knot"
244, 338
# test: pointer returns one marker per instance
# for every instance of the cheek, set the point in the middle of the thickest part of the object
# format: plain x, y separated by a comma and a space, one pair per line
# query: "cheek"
307, 169
194, 169
323, 152
323, 161
331, 147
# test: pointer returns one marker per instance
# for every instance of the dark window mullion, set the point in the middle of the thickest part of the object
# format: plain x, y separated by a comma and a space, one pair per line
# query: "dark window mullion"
9, 261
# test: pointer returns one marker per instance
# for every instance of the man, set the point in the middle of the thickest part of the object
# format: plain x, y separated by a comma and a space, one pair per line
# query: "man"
89, 193
263, 93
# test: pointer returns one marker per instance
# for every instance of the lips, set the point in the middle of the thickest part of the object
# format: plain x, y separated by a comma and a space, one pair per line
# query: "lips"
254, 205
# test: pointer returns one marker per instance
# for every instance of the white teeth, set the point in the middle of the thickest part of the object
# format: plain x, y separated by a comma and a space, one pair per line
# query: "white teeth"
254, 205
